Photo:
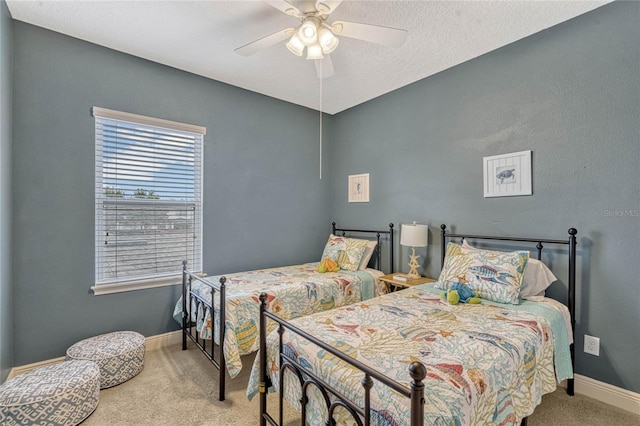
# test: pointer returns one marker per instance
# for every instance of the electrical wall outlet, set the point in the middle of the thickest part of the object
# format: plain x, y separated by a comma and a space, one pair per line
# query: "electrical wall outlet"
592, 345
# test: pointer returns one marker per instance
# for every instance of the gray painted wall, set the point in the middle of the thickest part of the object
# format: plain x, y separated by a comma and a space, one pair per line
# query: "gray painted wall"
6, 336
570, 94
260, 207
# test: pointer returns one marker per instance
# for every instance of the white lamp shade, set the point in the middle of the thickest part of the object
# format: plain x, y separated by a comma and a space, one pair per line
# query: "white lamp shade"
414, 235
308, 32
295, 46
327, 40
314, 52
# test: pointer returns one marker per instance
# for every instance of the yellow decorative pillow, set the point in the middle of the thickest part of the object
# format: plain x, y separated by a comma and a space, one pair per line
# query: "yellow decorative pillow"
328, 265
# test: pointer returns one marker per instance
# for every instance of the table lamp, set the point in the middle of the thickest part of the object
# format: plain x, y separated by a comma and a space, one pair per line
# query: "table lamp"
414, 235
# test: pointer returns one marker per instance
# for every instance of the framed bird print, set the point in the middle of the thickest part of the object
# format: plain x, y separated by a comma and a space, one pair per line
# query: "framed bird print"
359, 188
507, 175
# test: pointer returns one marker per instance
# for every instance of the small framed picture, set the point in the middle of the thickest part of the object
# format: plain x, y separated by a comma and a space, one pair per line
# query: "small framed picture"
507, 175
359, 188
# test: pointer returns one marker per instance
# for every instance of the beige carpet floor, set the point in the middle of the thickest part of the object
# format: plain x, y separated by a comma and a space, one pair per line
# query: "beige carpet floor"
180, 388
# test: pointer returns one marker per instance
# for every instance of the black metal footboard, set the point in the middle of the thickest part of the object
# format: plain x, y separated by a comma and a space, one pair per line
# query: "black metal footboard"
332, 398
187, 325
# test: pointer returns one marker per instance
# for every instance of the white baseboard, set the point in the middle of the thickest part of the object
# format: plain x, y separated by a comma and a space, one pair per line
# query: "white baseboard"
160, 341
16, 371
609, 394
152, 343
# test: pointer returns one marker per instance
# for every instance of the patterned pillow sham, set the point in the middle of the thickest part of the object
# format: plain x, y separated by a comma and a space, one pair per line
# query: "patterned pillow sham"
454, 267
347, 252
495, 275
537, 277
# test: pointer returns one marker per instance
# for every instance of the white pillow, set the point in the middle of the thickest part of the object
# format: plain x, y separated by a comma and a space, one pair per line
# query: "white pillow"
366, 256
537, 277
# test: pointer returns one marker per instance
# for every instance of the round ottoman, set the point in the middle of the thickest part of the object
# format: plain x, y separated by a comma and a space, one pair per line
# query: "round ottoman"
119, 355
61, 394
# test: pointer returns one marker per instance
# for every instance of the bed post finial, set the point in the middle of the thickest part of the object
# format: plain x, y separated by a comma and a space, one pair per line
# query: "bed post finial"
333, 228
418, 372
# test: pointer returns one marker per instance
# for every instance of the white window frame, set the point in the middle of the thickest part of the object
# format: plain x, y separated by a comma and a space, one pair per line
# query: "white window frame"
108, 286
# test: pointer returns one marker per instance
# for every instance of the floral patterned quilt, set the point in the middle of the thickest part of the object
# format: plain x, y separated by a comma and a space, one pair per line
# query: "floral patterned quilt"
292, 291
487, 364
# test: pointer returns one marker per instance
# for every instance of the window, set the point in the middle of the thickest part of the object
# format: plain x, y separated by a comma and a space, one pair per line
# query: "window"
148, 200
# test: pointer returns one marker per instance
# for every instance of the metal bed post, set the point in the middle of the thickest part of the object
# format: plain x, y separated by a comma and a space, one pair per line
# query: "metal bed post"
572, 296
418, 372
443, 244
391, 261
263, 387
367, 384
184, 305
223, 319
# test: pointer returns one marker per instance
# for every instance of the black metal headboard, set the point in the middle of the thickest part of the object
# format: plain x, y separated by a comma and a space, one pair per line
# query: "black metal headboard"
378, 251
571, 242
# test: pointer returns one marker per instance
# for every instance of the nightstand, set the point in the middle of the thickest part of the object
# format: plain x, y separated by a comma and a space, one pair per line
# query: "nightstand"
392, 284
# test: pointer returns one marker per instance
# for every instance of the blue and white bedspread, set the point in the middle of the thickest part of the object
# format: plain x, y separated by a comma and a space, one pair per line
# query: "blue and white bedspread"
487, 364
292, 291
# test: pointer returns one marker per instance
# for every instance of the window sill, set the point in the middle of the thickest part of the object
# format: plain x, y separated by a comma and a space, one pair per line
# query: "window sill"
102, 289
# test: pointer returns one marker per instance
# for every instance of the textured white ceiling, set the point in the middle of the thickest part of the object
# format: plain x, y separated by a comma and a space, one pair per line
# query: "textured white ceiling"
200, 36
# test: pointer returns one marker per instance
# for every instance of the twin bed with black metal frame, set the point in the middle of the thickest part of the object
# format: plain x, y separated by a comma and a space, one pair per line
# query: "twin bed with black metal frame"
218, 294
293, 354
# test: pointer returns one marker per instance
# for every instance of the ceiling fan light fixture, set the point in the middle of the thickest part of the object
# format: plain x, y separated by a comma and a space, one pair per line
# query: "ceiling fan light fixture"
327, 40
295, 46
314, 51
308, 31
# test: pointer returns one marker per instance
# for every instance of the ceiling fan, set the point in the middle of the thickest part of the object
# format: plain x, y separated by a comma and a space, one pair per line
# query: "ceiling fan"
318, 36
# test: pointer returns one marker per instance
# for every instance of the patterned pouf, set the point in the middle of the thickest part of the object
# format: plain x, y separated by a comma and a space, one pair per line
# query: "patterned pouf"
60, 394
120, 355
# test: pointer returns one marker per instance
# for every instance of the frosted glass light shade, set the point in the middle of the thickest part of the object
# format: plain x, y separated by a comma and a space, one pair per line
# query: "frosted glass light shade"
314, 52
327, 40
414, 235
308, 31
295, 46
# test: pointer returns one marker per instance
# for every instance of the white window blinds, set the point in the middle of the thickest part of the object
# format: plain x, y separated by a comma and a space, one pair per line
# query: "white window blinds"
148, 197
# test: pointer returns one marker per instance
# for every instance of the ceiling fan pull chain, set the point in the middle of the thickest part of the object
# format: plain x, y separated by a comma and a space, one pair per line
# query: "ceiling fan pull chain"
320, 122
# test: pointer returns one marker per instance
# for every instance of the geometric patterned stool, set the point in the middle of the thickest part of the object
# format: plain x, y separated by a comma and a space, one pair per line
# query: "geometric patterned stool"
62, 394
119, 355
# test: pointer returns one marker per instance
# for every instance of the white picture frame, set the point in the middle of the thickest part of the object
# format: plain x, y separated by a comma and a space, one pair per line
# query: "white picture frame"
507, 175
359, 188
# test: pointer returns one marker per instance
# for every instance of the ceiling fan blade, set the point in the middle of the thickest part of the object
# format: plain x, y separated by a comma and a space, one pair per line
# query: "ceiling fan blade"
284, 6
264, 42
324, 67
325, 7
386, 36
